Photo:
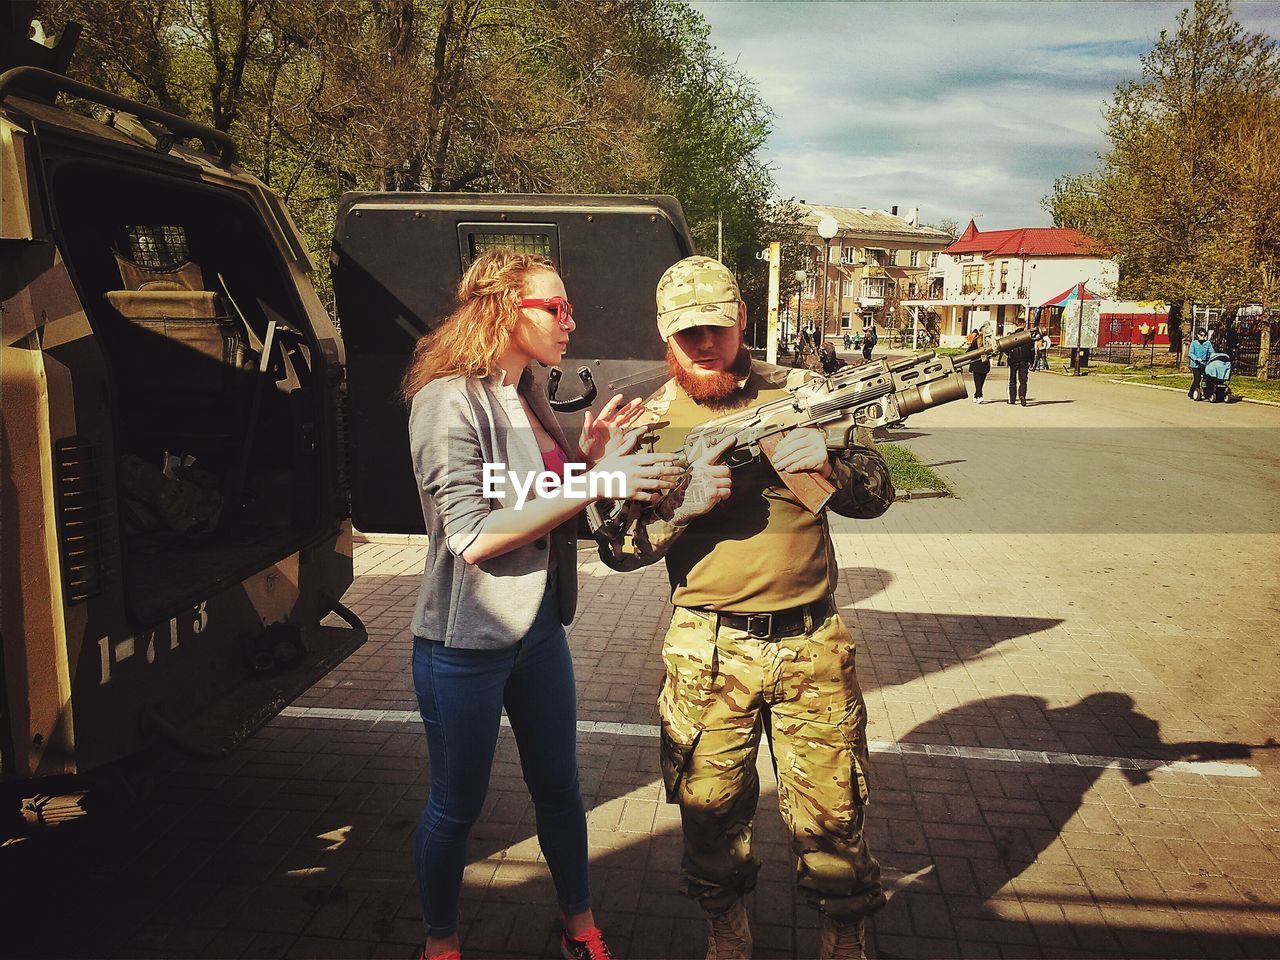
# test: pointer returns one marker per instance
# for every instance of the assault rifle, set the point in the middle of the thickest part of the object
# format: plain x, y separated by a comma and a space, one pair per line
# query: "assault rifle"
871, 395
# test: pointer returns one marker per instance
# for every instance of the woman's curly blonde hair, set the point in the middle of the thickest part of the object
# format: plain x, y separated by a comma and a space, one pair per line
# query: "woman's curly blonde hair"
478, 331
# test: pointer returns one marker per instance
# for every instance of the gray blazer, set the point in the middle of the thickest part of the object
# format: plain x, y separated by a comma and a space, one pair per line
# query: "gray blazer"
457, 424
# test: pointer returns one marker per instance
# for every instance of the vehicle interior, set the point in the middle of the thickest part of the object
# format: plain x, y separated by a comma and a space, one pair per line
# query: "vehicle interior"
211, 360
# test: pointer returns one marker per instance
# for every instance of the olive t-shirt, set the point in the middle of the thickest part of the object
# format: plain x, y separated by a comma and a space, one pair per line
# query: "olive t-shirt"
760, 550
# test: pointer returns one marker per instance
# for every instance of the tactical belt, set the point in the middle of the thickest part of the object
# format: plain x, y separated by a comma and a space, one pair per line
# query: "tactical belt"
780, 623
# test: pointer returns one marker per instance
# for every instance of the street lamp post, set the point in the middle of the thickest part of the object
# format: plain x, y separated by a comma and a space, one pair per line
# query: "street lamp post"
801, 277
827, 228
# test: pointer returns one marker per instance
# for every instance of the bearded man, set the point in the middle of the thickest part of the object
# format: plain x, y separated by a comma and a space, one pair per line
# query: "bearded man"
755, 642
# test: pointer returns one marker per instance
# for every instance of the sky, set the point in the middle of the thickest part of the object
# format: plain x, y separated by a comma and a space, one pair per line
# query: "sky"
962, 109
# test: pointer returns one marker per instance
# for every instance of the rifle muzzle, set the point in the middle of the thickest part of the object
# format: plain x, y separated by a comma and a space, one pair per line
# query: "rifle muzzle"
931, 394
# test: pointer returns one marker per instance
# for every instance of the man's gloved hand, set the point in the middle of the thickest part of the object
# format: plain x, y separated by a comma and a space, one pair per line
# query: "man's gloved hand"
706, 483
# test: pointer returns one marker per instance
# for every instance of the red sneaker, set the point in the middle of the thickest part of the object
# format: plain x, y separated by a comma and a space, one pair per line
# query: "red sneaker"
588, 945
449, 955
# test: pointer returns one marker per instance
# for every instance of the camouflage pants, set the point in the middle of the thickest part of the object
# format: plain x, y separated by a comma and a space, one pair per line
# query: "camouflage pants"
723, 689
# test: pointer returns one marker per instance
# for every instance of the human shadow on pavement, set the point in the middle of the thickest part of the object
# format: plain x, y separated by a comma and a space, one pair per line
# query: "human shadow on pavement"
898, 434
961, 864
950, 894
897, 646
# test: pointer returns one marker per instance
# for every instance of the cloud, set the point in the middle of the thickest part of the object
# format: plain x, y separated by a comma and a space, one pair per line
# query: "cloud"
958, 108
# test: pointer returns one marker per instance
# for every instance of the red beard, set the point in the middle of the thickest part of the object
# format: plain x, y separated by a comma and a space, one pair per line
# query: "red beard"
715, 390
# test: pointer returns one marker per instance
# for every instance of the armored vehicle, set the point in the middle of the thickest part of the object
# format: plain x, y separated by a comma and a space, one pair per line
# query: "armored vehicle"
176, 480
174, 504
397, 259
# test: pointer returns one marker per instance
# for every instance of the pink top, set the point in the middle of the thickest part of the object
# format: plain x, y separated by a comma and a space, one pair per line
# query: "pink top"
554, 460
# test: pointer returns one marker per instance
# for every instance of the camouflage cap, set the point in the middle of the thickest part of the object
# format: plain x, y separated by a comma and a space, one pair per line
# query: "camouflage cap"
697, 291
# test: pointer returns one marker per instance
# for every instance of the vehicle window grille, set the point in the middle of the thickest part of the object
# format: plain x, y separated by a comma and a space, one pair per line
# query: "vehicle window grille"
157, 247
476, 239
482, 243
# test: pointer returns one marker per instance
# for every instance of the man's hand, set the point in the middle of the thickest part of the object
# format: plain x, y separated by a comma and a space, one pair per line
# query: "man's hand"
706, 484
802, 450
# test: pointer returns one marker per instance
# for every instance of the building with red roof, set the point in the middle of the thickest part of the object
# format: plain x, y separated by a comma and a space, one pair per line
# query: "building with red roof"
1002, 276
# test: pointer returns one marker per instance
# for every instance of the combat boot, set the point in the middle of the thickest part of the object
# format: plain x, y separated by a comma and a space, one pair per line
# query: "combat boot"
729, 934
843, 939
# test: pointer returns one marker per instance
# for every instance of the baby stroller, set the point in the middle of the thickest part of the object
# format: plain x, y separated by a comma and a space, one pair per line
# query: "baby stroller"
1215, 386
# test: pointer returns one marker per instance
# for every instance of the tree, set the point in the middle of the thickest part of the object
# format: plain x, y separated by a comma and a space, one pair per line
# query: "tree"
709, 145
947, 225
538, 96
1246, 252
1186, 194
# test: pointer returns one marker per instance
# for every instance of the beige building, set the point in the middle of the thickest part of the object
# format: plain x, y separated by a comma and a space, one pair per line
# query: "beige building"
876, 260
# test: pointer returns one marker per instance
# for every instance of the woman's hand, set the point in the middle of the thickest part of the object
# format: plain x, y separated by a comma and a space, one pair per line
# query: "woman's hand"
605, 434
646, 477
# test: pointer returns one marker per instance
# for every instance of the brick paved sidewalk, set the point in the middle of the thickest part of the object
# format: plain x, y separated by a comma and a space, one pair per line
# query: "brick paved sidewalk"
298, 844
1069, 845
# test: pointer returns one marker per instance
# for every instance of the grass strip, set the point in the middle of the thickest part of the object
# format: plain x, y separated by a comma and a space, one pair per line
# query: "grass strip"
1250, 387
909, 472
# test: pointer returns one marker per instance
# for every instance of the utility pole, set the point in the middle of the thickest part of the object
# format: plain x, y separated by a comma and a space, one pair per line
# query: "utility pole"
827, 228
771, 334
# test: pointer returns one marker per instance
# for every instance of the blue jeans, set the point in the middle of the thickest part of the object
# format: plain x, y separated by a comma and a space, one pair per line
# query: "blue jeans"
461, 695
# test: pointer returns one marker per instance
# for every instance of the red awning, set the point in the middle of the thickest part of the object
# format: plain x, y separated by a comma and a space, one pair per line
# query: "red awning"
1077, 292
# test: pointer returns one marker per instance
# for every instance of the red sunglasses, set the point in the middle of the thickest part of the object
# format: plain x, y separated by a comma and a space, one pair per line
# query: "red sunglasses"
559, 307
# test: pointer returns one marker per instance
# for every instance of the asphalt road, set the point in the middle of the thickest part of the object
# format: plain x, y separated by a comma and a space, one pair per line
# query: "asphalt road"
1090, 456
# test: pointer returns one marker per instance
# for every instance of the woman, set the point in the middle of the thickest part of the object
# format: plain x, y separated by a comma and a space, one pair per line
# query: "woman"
979, 368
500, 578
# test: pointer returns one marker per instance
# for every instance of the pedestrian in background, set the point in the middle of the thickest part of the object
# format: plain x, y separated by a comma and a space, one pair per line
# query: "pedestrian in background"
1230, 338
500, 579
830, 362
1020, 359
848, 342
1197, 356
1042, 350
869, 340
979, 368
